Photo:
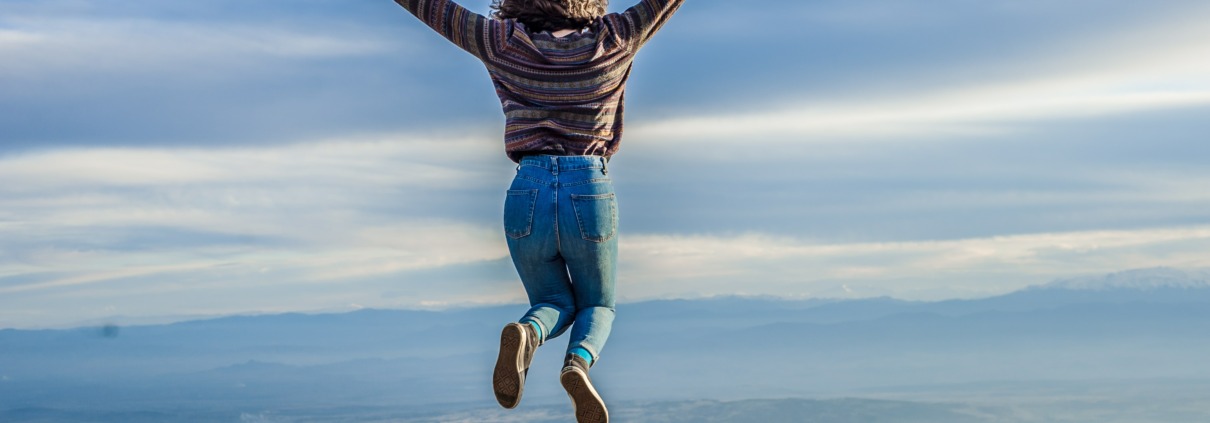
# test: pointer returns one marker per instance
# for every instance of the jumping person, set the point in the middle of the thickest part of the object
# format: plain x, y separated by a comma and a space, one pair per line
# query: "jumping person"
560, 69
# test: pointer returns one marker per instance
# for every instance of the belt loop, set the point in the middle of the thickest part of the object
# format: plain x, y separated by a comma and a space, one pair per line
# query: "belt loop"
604, 165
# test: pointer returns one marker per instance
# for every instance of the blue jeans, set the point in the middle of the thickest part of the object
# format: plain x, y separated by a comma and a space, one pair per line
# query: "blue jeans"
561, 221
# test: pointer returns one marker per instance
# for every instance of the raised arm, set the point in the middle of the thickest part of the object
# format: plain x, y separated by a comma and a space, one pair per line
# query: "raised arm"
466, 29
644, 19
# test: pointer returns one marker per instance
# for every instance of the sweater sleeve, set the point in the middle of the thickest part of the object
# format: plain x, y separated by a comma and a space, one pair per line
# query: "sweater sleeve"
644, 19
466, 29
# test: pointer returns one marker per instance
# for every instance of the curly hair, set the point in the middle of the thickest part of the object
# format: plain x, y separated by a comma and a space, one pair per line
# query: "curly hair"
550, 15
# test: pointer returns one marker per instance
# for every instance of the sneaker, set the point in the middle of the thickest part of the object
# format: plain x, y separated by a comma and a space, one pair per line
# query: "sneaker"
588, 406
517, 344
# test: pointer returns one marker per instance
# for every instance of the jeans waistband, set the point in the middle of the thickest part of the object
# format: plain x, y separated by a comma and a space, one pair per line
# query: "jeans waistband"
564, 163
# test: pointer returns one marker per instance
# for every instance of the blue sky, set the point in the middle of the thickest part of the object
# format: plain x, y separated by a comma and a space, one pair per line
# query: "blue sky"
168, 159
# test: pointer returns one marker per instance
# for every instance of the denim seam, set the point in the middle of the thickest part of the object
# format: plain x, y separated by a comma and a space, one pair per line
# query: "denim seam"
555, 191
586, 182
531, 179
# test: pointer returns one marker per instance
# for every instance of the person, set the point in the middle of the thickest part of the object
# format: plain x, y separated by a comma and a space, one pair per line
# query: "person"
560, 69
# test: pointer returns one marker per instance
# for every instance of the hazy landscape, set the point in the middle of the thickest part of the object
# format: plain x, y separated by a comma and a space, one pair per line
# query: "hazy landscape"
829, 211
1126, 347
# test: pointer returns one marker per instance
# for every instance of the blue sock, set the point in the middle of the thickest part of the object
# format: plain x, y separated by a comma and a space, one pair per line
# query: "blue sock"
537, 330
582, 353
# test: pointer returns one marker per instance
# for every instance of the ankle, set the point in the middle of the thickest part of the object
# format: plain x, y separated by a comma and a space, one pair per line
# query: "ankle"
534, 330
582, 353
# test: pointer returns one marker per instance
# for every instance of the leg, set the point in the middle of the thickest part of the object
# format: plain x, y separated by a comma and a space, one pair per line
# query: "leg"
594, 284
591, 254
552, 303
529, 222
529, 226
590, 248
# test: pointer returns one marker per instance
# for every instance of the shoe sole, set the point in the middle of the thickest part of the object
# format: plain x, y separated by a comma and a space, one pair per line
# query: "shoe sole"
588, 406
508, 380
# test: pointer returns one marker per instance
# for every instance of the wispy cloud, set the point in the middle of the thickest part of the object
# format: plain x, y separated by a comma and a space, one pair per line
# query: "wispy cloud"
315, 225
148, 46
1144, 69
325, 206
81, 74
758, 264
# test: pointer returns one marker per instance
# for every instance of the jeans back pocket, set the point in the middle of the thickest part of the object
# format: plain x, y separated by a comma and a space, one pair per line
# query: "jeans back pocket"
597, 215
519, 212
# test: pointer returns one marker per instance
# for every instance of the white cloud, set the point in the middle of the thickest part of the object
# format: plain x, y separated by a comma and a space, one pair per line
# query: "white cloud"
760, 264
1135, 70
304, 227
35, 46
72, 212
10, 38
375, 161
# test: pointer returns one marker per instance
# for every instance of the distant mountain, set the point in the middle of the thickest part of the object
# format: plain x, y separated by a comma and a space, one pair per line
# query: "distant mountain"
1138, 279
1158, 285
1130, 325
1155, 285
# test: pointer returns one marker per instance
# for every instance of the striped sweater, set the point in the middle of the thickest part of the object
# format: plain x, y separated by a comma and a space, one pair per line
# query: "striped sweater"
561, 96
